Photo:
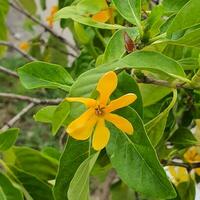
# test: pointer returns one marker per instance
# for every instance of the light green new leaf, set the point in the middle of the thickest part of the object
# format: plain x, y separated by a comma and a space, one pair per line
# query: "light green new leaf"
71, 12
60, 115
187, 17
44, 75
45, 114
32, 161
79, 186
8, 190
155, 128
8, 138
135, 159
74, 154
130, 10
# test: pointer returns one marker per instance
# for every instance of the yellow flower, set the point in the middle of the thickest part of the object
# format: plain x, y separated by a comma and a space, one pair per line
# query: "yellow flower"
103, 16
100, 110
178, 174
192, 155
50, 18
24, 46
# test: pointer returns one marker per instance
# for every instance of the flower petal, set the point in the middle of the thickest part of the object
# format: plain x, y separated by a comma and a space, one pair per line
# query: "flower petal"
84, 132
87, 101
102, 16
106, 85
121, 102
80, 121
120, 122
101, 135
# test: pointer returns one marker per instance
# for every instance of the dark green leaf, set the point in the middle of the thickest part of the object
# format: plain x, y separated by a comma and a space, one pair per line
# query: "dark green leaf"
135, 160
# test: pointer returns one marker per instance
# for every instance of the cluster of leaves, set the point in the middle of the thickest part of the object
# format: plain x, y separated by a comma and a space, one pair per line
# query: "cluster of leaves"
144, 42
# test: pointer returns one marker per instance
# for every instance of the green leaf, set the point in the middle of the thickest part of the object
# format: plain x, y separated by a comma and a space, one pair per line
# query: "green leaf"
43, 4
8, 138
136, 161
152, 93
3, 31
79, 185
71, 12
187, 17
33, 162
44, 75
4, 6
116, 45
45, 114
30, 6
60, 115
130, 10
126, 84
2, 195
8, 190
155, 128
35, 187
51, 152
183, 137
173, 6
74, 154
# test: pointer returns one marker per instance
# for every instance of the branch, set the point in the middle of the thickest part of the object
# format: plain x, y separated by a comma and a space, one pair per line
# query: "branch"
105, 191
31, 99
11, 122
25, 55
188, 166
47, 28
9, 72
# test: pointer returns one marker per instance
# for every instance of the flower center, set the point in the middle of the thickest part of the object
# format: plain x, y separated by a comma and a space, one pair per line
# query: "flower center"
99, 111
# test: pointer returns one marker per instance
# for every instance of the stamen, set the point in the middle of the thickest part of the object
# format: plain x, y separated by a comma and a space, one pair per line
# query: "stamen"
99, 111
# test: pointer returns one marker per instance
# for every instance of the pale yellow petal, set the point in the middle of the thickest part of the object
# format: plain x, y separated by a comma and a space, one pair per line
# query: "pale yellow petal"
87, 101
120, 122
80, 121
121, 102
84, 132
106, 85
101, 135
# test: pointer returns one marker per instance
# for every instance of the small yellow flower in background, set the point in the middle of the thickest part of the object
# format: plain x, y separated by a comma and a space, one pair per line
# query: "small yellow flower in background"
103, 16
50, 18
24, 46
192, 155
178, 174
100, 110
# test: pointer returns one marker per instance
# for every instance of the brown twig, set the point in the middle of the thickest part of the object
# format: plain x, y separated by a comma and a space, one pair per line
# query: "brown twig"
11, 45
47, 28
11, 122
105, 190
9, 72
36, 101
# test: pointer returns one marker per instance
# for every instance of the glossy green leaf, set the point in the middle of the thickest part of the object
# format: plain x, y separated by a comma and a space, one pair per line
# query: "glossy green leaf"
126, 84
44, 75
59, 116
187, 17
79, 185
173, 6
8, 189
35, 187
116, 45
71, 12
30, 6
8, 138
130, 10
183, 137
45, 114
152, 93
155, 128
74, 154
28, 160
135, 160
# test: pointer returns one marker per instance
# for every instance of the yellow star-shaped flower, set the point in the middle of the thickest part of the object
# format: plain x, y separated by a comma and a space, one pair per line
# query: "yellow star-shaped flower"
100, 110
